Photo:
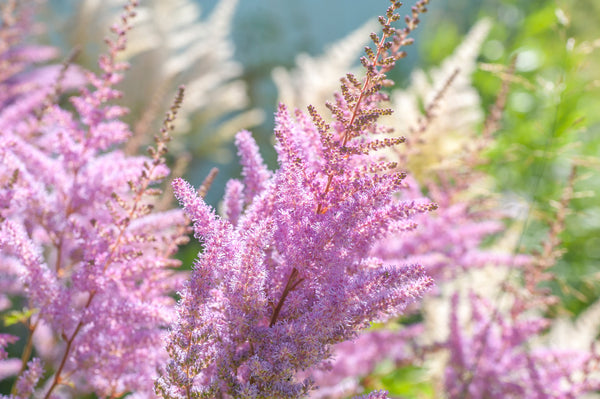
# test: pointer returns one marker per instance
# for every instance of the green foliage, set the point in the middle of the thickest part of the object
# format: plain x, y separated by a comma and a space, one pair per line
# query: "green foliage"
408, 382
551, 122
17, 316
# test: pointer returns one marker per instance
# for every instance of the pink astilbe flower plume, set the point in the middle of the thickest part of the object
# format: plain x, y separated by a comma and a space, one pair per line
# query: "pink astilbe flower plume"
287, 273
24, 88
80, 240
493, 358
447, 243
494, 355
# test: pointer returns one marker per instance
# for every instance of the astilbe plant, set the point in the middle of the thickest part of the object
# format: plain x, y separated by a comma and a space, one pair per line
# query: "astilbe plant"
23, 88
286, 272
79, 239
447, 243
499, 352
491, 357
302, 260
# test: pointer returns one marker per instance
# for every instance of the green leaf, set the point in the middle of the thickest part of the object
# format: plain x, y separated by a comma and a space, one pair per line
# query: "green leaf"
17, 316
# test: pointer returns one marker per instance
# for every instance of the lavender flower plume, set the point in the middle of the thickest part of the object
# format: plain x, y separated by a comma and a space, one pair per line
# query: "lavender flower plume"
25, 385
79, 236
494, 359
285, 281
5, 340
498, 339
448, 242
290, 275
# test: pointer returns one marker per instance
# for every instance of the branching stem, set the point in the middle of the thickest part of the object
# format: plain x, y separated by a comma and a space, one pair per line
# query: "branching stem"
292, 283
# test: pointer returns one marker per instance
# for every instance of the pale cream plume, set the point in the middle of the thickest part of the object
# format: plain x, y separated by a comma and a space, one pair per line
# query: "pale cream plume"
440, 142
314, 79
171, 45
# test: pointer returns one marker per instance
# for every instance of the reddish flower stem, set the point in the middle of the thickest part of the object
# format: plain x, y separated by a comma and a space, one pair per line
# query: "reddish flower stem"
291, 284
354, 114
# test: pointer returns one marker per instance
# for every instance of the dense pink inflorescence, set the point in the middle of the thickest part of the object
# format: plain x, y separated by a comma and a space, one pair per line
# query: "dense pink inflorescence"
492, 358
494, 353
78, 236
302, 261
288, 272
271, 294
